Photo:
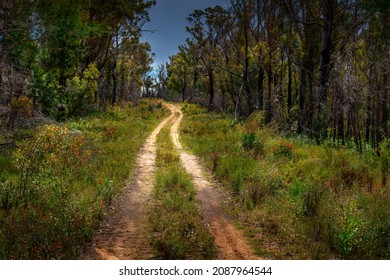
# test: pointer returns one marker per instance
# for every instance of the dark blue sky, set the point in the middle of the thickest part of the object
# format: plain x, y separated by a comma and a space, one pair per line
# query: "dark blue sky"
168, 18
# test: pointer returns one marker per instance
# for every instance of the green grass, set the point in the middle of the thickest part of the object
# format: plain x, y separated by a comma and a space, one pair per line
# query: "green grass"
295, 199
55, 186
177, 231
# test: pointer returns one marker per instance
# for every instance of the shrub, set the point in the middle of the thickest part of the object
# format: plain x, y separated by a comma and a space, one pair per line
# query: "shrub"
285, 150
349, 229
250, 142
8, 195
311, 199
81, 91
21, 108
385, 160
46, 90
54, 152
372, 238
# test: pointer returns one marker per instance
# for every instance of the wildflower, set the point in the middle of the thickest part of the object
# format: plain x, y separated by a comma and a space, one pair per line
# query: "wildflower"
53, 158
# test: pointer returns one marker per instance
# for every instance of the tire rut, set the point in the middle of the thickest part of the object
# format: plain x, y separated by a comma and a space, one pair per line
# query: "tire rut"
123, 230
230, 243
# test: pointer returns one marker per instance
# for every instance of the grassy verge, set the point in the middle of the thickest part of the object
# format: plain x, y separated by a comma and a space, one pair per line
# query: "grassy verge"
177, 231
295, 199
54, 186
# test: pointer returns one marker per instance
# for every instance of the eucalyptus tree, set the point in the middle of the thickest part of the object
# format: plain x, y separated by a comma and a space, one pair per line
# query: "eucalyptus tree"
206, 37
162, 80
54, 42
178, 74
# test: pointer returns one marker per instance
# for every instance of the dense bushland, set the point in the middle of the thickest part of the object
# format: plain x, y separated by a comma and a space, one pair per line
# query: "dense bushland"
319, 67
55, 185
70, 57
177, 230
296, 199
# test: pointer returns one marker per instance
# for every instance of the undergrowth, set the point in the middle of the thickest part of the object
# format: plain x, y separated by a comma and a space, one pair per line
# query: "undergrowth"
177, 231
54, 186
296, 199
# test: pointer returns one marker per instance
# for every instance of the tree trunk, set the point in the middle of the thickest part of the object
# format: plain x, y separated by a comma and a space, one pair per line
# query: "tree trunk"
122, 90
321, 117
368, 110
211, 88
301, 101
249, 94
114, 83
289, 87
196, 74
268, 105
385, 114
184, 92
260, 87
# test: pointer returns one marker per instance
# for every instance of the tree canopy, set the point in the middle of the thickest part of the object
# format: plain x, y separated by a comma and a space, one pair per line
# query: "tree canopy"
68, 56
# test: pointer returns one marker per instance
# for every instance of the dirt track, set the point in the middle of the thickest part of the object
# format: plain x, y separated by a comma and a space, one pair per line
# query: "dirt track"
123, 234
230, 243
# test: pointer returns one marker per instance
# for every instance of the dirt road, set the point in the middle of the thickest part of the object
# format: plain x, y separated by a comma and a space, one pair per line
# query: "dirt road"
123, 234
229, 241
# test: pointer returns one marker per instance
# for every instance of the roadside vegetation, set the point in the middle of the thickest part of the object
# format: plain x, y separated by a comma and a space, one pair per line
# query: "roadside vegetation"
54, 186
177, 230
293, 198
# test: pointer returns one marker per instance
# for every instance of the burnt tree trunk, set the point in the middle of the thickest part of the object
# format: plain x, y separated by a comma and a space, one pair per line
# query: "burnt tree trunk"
260, 87
211, 88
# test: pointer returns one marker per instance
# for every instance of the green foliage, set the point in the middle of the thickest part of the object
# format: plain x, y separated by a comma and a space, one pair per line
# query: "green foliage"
46, 90
51, 51
53, 193
284, 150
311, 199
250, 142
314, 201
8, 195
374, 235
53, 153
349, 229
43, 219
81, 92
385, 155
178, 74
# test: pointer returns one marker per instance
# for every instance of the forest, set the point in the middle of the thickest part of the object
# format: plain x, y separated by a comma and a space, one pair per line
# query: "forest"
71, 57
284, 102
319, 68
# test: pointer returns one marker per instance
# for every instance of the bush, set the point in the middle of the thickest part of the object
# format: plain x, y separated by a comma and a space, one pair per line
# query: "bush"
8, 195
365, 230
53, 152
385, 160
250, 142
21, 109
311, 199
47, 91
80, 92
285, 150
